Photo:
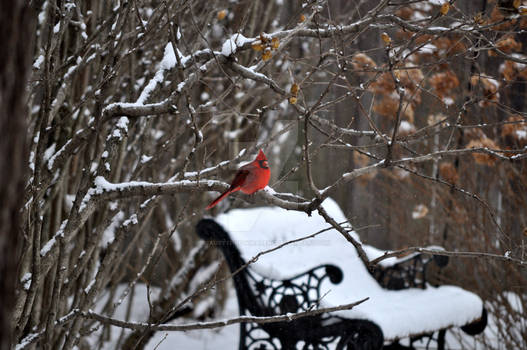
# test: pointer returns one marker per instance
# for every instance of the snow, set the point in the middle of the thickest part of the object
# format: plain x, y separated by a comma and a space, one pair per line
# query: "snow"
406, 126
207, 170
398, 313
202, 306
26, 280
449, 101
230, 46
90, 286
38, 62
438, 2
49, 151
518, 65
251, 71
123, 123
203, 275
145, 158
494, 82
47, 247
168, 62
26, 341
109, 233
52, 158
207, 339
49, 244
131, 221
204, 96
157, 79
116, 134
176, 241
180, 86
42, 14
428, 49
441, 29
169, 58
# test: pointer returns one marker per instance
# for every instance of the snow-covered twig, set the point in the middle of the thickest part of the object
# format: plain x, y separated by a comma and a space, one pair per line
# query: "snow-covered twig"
460, 254
217, 324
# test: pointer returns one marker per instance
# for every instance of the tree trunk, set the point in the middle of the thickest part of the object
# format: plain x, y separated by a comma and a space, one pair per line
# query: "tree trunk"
16, 31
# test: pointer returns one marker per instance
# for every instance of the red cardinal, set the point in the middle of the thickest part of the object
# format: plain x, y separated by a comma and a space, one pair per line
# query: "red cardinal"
250, 178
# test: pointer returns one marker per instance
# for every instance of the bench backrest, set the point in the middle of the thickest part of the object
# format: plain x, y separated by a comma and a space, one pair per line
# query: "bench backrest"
210, 231
263, 296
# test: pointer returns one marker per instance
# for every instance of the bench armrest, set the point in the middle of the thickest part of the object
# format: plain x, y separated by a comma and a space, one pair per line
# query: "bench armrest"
409, 271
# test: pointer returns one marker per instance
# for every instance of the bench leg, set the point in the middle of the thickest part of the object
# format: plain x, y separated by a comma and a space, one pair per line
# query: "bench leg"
441, 340
361, 335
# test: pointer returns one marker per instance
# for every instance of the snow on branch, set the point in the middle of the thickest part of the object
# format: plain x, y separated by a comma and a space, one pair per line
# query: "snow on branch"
442, 252
216, 324
105, 190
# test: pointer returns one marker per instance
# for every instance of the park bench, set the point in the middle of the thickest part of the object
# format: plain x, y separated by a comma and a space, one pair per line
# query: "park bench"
401, 304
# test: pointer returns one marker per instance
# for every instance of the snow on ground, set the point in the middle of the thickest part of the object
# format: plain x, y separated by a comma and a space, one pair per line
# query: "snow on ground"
221, 338
208, 339
227, 338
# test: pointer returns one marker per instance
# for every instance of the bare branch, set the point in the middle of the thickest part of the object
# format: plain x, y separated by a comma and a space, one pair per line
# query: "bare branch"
217, 324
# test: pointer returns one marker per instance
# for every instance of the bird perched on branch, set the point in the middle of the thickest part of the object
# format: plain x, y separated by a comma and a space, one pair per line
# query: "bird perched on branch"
249, 178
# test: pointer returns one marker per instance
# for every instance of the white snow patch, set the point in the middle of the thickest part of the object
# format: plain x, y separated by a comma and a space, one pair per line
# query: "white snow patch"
49, 151
437, 2
38, 62
494, 82
176, 241
123, 123
131, 221
89, 287
230, 46
428, 49
448, 101
26, 280
47, 247
406, 126
204, 96
145, 159
109, 233
203, 305
203, 275
205, 339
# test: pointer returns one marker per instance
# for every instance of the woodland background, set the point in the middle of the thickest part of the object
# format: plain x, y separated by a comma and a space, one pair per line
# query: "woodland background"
410, 114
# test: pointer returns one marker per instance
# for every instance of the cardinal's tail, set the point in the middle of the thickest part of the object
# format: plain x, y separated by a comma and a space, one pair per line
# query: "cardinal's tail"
221, 197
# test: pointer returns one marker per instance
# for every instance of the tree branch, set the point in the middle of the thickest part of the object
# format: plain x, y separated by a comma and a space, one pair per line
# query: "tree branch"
217, 324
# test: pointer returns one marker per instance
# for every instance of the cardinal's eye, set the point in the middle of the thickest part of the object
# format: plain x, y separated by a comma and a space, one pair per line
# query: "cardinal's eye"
265, 164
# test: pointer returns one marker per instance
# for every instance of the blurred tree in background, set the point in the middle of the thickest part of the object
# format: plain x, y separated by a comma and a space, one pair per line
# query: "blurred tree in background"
16, 31
411, 114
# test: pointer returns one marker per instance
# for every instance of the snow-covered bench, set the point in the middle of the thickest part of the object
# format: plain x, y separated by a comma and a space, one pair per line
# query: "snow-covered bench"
293, 279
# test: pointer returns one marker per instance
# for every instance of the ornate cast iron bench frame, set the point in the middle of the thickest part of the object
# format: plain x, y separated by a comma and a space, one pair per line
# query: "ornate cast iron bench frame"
261, 296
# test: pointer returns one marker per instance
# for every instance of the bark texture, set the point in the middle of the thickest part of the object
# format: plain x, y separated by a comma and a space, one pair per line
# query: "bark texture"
16, 30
